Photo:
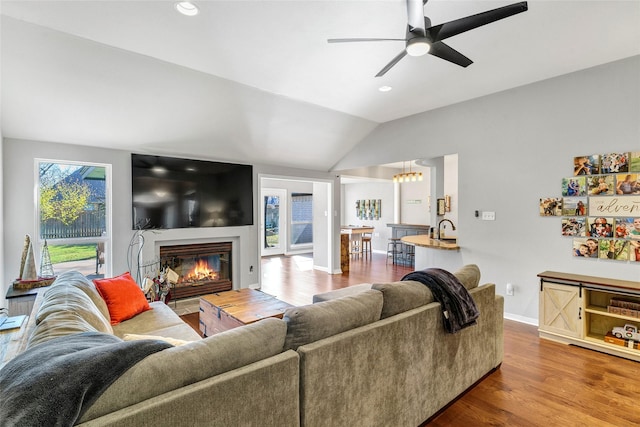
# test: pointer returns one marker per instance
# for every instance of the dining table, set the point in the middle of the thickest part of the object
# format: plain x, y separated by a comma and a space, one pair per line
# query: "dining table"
355, 233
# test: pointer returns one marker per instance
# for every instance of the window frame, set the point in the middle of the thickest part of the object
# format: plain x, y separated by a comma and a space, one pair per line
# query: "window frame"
106, 238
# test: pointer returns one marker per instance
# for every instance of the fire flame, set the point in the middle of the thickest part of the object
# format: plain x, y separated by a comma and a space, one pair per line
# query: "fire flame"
201, 271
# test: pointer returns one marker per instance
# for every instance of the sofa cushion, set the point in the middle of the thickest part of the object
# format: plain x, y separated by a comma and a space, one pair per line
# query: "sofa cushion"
178, 367
78, 280
161, 320
469, 276
402, 296
339, 293
67, 298
173, 341
123, 296
59, 324
314, 322
399, 297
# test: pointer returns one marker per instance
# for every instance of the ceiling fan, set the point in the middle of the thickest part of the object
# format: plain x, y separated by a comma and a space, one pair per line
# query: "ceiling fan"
422, 38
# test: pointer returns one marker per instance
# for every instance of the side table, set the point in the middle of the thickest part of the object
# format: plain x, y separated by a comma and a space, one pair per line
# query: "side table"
21, 300
14, 341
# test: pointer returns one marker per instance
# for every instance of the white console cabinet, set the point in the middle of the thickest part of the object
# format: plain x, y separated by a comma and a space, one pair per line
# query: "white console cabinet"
574, 309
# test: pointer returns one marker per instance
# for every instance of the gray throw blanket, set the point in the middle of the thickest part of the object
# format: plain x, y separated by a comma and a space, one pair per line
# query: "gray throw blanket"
55, 382
459, 310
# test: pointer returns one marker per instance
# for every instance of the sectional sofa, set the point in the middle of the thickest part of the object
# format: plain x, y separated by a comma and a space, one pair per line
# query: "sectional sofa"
378, 357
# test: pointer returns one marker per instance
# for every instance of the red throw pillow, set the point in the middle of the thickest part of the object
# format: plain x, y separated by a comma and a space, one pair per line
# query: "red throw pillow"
123, 296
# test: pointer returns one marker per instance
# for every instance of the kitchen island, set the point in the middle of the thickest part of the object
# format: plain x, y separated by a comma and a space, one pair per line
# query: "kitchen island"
440, 253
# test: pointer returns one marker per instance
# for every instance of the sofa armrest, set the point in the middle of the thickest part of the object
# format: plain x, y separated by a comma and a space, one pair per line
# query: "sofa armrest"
499, 329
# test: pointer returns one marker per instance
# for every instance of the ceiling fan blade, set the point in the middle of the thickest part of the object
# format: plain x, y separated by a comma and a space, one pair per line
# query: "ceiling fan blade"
446, 52
452, 28
362, 40
393, 62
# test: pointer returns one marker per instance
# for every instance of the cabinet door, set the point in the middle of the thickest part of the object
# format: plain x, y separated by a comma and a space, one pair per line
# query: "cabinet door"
561, 310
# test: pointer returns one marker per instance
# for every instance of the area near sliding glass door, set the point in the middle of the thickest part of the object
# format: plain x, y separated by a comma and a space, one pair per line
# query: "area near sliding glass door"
273, 216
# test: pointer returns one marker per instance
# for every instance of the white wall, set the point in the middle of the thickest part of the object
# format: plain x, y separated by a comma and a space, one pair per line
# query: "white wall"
18, 193
513, 148
370, 190
4, 285
450, 188
414, 201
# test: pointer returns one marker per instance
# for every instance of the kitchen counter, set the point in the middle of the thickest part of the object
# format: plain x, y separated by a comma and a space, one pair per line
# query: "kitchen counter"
425, 241
435, 253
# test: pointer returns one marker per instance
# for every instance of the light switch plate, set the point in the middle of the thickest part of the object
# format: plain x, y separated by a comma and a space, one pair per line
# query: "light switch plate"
488, 216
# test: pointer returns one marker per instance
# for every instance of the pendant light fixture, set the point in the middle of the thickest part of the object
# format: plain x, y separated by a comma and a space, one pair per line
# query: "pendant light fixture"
407, 176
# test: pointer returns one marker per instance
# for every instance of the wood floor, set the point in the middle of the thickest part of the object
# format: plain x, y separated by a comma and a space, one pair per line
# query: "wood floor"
540, 383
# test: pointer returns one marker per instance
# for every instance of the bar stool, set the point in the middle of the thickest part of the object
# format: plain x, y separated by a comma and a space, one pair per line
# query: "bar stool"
366, 244
394, 249
409, 254
356, 250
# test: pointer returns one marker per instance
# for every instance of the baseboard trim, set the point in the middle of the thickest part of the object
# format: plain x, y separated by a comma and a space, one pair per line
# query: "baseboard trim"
521, 319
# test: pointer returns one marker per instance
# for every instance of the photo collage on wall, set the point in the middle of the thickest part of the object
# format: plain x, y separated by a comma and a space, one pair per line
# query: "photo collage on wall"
368, 209
616, 176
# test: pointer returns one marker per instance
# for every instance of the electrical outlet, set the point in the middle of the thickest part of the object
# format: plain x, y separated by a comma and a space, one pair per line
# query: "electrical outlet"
510, 289
488, 216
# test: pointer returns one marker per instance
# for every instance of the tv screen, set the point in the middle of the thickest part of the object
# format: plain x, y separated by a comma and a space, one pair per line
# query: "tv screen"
170, 192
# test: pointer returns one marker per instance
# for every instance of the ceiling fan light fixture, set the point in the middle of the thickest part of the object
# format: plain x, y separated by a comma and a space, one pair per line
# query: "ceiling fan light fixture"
187, 8
418, 46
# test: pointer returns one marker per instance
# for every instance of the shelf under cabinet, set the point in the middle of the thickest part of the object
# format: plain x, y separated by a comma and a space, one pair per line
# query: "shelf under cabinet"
604, 312
598, 340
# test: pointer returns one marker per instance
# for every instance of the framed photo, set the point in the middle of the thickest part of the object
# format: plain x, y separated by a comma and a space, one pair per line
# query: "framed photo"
574, 186
600, 227
632, 226
614, 249
634, 250
574, 206
551, 206
614, 163
574, 226
440, 206
586, 165
601, 185
585, 248
634, 161
627, 183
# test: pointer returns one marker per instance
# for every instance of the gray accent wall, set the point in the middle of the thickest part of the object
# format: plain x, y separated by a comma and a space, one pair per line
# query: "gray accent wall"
514, 147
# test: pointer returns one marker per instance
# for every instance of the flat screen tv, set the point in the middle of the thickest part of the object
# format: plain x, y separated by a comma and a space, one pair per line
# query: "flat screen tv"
169, 192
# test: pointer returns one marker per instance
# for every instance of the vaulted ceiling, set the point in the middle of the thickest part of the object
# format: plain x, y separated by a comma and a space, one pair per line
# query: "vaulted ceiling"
256, 81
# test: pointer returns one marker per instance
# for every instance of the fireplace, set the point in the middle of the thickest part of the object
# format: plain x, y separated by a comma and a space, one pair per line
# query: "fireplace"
202, 268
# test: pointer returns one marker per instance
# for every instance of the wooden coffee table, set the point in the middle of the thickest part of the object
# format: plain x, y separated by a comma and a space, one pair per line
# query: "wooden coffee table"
227, 310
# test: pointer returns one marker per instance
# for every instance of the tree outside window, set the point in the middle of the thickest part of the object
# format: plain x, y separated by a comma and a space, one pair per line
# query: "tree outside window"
72, 202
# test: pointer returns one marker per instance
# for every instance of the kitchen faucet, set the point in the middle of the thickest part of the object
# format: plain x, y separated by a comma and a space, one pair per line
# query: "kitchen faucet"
440, 235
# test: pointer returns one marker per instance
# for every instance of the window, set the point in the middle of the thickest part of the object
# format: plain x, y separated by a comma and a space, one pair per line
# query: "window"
73, 217
301, 218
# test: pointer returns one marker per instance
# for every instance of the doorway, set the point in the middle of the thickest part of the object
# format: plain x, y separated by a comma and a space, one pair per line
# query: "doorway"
273, 230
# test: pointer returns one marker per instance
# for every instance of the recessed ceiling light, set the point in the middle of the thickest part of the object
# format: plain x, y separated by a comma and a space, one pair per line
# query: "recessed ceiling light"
187, 8
385, 88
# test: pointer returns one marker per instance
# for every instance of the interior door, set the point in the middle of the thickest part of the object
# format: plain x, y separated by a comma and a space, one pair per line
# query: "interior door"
273, 218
